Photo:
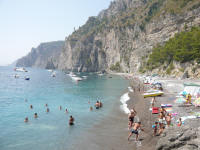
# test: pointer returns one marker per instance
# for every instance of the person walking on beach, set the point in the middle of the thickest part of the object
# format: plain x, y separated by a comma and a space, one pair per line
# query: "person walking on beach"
131, 117
168, 119
155, 128
71, 121
135, 129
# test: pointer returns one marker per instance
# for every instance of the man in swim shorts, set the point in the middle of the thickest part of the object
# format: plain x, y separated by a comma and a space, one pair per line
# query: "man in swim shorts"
135, 129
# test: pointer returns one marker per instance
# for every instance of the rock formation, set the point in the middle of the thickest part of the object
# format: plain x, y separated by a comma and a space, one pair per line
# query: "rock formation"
44, 56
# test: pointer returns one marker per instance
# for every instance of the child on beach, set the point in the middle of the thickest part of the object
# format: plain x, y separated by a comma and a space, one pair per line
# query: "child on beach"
155, 128
135, 129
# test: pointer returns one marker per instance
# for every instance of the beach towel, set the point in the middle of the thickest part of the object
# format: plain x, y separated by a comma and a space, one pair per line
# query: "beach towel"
168, 109
155, 110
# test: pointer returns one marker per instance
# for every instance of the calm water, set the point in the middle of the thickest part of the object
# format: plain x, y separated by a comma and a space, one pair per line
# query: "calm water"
50, 130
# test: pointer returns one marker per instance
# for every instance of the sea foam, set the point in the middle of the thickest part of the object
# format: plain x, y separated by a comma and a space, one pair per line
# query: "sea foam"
124, 98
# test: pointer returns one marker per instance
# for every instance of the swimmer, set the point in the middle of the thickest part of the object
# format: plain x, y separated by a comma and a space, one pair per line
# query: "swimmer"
60, 107
135, 130
26, 100
26, 119
31, 106
66, 110
91, 108
100, 104
47, 110
46, 105
35, 115
71, 121
97, 105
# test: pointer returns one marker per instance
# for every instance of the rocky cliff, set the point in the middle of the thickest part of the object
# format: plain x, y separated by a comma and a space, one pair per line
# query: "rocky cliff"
122, 36
44, 56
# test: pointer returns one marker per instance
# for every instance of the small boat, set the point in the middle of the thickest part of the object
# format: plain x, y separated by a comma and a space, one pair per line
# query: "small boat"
84, 77
71, 74
77, 78
20, 69
27, 78
153, 93
50, 70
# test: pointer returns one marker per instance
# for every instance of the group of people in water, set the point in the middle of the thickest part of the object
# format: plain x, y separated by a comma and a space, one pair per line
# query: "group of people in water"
71, 118
97, 105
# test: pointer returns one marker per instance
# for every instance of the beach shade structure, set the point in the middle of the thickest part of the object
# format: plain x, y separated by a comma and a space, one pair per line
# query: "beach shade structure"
197, 102
180, 100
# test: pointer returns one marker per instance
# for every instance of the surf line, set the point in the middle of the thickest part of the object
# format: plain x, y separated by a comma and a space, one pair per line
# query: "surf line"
124, 98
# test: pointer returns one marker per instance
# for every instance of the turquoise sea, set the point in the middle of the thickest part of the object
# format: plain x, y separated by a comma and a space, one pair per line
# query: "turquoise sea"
50, 131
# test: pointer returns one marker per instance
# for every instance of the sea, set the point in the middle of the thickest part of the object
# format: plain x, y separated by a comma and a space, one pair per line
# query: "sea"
50, 131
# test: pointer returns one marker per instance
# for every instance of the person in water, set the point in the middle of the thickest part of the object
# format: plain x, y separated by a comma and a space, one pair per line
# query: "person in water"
47, 110
35, 115
131, 117
26, 119
135, 129
60, 107
91, 108
66, 110
71, 121
31, 106
100, 104
97, 105
46, 105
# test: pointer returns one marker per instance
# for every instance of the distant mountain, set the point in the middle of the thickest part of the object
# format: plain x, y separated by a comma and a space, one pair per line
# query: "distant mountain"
44, 56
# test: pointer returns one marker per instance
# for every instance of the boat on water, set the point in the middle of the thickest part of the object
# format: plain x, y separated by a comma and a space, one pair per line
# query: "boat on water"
71, 74
27, 78
153, 93
77, 78
20, 69
191, 84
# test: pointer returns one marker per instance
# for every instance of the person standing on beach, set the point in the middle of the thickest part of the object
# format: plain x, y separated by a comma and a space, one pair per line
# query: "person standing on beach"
161, 122
153, 101
131, 117
135, 129
155, 128
168, 119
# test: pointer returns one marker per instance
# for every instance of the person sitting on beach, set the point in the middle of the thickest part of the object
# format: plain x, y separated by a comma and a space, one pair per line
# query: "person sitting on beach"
60, 107
35, 115
26, 119
168, 119
131, 117
31, 106
155, 128
179, 122
153, 101
135, 129
47, 110
97, 105
71, 121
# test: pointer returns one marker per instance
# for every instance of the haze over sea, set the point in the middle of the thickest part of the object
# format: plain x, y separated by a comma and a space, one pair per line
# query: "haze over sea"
51, 130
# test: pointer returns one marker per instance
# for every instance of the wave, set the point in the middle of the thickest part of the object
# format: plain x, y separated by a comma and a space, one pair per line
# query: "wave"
124, 98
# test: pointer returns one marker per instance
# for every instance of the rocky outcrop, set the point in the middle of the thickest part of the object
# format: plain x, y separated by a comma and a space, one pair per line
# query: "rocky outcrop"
121, 37
180, 138
44, 56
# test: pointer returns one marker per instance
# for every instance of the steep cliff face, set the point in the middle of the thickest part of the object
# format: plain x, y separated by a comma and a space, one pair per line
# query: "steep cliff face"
44, 56
120, 37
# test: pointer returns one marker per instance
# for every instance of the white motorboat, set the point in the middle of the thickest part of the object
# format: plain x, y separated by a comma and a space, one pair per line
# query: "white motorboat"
20, 69
77, 78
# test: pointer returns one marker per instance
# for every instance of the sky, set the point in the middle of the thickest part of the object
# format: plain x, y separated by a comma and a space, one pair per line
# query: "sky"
27, 23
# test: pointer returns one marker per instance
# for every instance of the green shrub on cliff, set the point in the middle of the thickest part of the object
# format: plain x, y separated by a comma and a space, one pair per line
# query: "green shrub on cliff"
116, 67
183, 47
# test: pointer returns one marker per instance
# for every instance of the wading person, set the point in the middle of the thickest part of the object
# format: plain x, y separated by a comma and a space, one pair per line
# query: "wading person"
135, 129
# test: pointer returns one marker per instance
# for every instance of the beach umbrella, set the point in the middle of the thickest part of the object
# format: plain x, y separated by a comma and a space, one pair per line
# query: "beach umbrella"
197, 102
180, 100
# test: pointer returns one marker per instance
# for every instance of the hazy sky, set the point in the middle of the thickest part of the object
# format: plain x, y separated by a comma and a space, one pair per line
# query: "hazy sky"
26, 23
